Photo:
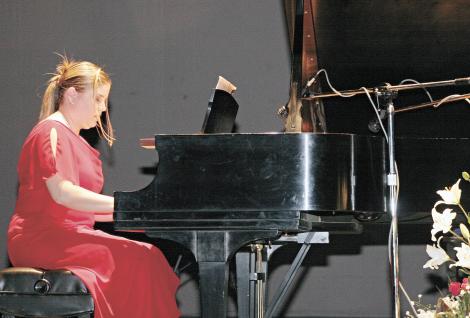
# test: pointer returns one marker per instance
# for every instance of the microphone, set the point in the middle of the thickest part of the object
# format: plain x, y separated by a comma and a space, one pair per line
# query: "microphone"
374, 125
383, 94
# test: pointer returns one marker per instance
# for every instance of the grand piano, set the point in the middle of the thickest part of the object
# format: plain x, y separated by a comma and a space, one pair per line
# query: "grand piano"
216, 193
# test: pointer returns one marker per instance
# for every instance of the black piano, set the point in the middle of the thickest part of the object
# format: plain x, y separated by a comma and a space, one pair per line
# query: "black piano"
216, 193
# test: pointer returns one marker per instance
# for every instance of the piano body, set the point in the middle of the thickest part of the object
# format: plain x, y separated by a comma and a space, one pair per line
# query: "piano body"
215, 193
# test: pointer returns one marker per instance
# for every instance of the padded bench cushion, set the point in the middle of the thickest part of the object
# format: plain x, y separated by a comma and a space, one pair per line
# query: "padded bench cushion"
32, 292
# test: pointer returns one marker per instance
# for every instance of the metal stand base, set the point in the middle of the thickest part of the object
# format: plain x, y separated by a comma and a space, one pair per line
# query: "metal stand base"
252, 274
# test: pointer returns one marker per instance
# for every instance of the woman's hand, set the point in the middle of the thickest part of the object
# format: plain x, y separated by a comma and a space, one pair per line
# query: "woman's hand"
100, 217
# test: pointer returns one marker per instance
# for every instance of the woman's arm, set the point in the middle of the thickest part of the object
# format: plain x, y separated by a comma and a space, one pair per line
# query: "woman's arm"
75, 197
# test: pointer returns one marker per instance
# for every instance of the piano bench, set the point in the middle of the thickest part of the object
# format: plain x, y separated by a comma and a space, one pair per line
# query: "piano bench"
31, 292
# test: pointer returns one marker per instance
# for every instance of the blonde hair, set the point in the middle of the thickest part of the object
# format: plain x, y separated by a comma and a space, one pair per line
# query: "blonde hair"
80, 75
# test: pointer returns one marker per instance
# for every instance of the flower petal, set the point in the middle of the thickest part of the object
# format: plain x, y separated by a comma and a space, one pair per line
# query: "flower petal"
452, 195
463, 256
437, 254
442, 222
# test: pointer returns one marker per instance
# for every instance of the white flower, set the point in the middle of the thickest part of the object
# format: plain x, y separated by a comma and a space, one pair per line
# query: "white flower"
451, 196
437, 254
426, 313
452, 303
442, 221
463, 256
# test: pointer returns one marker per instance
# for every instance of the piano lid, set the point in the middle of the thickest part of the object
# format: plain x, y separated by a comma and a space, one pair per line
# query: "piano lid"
366, 43
300, 16
307, 116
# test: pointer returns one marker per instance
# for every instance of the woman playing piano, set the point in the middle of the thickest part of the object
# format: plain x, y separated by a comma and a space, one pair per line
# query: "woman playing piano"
60, 179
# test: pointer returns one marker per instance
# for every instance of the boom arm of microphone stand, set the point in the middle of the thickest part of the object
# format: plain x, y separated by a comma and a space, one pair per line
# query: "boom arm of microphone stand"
433, 103
458, 81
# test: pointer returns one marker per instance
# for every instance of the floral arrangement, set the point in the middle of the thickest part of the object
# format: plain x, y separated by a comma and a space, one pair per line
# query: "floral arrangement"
457, 304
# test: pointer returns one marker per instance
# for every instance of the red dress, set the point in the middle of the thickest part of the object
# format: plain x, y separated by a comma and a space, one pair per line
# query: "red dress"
126, 278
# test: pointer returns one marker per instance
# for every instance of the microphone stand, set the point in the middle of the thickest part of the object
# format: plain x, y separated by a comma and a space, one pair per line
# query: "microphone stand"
386, 95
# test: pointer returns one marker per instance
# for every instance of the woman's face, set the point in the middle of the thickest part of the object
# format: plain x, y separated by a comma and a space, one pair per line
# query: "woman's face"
89, 106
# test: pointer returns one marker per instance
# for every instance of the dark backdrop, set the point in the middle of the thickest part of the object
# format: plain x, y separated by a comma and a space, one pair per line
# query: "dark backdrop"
164, 57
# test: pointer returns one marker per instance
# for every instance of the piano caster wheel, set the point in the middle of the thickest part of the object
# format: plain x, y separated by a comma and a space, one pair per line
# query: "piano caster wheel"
367, 217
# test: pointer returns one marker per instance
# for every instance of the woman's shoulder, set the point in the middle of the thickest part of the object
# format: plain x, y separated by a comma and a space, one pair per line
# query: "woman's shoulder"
43, 129
48, 124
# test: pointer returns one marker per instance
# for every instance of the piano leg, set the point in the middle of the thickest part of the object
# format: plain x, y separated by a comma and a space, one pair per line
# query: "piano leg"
213, 286
214, 250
